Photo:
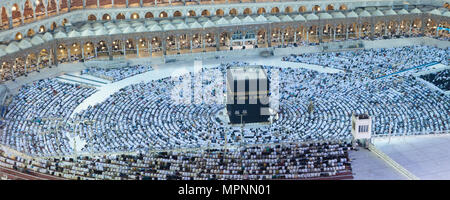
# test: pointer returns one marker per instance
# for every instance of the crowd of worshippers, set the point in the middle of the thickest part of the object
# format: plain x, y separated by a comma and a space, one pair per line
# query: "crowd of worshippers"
375, 62
117, 74
144, 117
440, 79
37, 112
281, 161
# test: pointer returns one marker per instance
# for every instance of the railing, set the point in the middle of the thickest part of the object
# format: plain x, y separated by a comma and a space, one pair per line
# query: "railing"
424, 133
392, 163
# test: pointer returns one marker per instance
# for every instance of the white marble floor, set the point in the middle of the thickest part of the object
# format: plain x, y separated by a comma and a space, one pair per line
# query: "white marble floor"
367, 166
427, 157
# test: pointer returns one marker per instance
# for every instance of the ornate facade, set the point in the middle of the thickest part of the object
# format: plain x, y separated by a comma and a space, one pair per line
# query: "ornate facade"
44, 33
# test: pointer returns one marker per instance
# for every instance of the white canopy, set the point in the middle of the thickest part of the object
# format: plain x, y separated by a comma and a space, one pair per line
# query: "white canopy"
352, 14
59, 35
208, 23
222, 21
312, 16
325, 16
435, 12
123, 25
12, 47
260, 18
73, 33
390, 12
141, 29
128, 30
299, 18
47, 36
364, 13
114, 31
150, 22
195, 25
101, 31
87, 32
155, 27
402, 12
37, 40
168, 27
377, 13
273, 18
248, 19
182, 26
415, 11
447, 14
235, 20
286, 18
25, 43
338, 15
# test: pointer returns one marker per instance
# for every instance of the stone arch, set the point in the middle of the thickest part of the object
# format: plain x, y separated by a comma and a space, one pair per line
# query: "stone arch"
288, 9
15, 14
134, 16
330, 7
51, 7
233, 12
106, 17
275, 10
191, 13
89, 49
18, 36
53, 26
247, 11
149, 15
42, 29
162, 14
120, 16
177, 14
261, 11
302, 9
316, 8
343, 7
39, 10
4, 17
205, 13
219, 12
92, 17
30, 32
61, 53
28, 10
64, 21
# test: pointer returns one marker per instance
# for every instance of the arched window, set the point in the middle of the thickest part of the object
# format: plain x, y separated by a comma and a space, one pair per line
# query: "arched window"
18, 36
106, 17
134, 16
219, 12
177, 14
247, 11
205, 13
92, 18
163, 15
120, 16
149, 15
275, 10
191, 13
233, 12
261, 11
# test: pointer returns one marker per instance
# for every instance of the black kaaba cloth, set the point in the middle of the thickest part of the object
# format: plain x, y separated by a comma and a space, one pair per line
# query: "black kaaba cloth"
247, 94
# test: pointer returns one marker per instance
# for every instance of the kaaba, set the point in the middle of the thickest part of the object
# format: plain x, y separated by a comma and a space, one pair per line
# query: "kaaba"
247, 94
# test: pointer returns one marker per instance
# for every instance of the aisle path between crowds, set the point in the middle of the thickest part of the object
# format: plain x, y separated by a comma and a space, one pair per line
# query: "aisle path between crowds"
168, 69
